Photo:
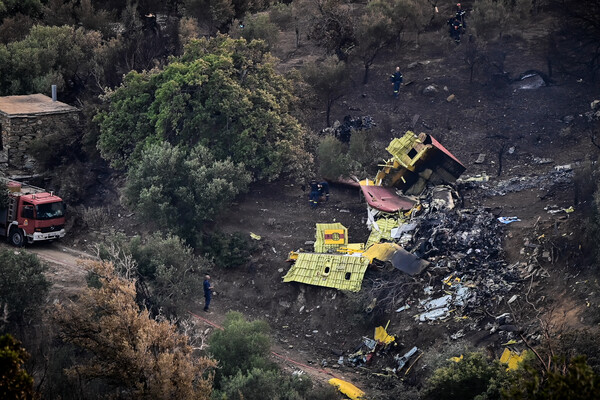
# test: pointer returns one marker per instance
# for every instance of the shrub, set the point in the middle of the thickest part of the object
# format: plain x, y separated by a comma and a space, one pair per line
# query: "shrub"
4, 197
180, 190
474, 377
95, 218
171, 271
282, 15
576, 381
256, 27
259, 384
168, 274
23, 285
15, 382
228, 250
332, 159
241, 347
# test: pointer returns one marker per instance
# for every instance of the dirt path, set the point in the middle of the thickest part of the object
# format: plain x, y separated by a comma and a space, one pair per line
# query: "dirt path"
65, 269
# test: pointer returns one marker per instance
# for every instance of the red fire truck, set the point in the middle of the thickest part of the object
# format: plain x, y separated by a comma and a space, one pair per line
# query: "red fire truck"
31, 215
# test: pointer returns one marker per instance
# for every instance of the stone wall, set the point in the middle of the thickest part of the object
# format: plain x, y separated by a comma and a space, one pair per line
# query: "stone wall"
19, 132
4, 122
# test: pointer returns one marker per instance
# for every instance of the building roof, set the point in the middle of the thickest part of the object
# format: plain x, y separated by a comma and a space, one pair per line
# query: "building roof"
32, 104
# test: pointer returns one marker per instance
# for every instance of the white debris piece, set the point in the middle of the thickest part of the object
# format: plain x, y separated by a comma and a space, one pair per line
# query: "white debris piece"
439, 313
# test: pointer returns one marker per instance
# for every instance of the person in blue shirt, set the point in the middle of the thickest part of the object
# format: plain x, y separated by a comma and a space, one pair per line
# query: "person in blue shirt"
207, 291
396, 79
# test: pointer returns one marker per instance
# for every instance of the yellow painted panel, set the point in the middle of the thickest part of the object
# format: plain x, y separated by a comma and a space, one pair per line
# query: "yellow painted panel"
381, 251
401, 147
335, 236
348, 389
322, 245
339, 271
382, 336
385, 231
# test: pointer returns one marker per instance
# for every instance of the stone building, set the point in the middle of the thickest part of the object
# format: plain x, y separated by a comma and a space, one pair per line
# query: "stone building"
28, 117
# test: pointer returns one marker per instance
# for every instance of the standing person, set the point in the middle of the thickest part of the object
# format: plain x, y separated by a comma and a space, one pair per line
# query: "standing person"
207, 291
314, 195
460, 15
396, 79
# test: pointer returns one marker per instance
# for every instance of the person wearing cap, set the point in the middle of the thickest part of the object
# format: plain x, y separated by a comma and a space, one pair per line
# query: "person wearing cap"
460, 15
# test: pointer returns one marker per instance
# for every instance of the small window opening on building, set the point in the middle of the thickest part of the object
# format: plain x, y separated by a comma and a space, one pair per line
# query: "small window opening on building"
348, 275
327, 270
412, 153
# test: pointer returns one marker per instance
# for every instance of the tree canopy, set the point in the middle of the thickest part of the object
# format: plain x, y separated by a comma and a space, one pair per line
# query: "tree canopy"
65, 56
221, 93
139, 356
180, 190
23, 285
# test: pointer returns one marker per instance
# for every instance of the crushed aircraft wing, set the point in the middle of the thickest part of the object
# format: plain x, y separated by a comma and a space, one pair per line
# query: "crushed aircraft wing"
339, 271
397, 256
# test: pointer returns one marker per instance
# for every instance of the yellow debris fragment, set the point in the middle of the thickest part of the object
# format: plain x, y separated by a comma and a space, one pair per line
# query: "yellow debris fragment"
512, 358
456, 359
255, 236
382, 336
348, 389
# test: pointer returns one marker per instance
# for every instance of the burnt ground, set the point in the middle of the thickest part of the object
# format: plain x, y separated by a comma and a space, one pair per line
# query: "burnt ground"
524, 135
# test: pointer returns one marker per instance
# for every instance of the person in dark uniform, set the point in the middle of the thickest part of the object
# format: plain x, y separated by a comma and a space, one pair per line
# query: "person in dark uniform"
396, 79
207, 292
318, 190
460, 14
456, 29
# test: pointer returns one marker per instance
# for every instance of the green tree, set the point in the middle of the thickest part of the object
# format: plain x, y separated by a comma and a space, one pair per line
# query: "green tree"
228, 250
65, 56
575, 382
328, 80
223, 94
15, 28
259, 384
332, 27
375, 34
332, 158
474, 377
23, 285
179, 190
140, 357
9, 8
15, 382
403, 14
489, 18
4, 197
241, 347
171, 271
256, 27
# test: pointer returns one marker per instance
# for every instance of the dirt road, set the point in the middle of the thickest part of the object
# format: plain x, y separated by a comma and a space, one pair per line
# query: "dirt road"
65, 269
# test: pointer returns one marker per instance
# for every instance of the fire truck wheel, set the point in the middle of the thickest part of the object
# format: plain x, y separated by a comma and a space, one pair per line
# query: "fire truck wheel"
16, 238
